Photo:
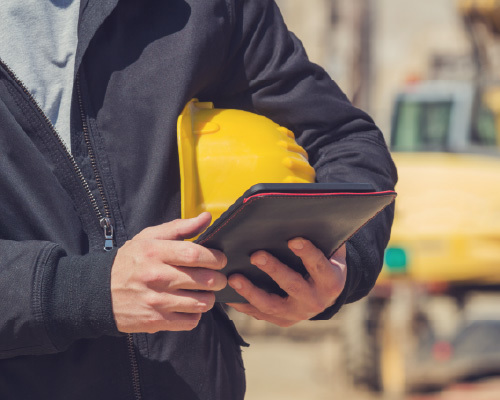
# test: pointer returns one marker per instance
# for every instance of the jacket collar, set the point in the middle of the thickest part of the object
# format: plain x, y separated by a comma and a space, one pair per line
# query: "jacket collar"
92, 15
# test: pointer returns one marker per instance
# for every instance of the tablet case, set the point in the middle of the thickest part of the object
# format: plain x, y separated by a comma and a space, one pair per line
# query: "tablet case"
266, 219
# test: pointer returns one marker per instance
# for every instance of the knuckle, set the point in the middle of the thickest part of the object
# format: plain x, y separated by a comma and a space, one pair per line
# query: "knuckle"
153, 300
150, 276
272, 309
317, 306
295, 286
334, 287
153, 323
174, 224
191, 254
272, 268
318, 260
145, 250
150, 251
256, 315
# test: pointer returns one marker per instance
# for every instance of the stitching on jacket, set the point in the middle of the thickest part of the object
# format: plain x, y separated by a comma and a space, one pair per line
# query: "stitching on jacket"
34, 122
37, 126
38, 288
112, 198
230, 11
115, 202
11, 88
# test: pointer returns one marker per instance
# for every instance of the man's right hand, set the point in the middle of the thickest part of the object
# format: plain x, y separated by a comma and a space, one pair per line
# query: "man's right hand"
161, 283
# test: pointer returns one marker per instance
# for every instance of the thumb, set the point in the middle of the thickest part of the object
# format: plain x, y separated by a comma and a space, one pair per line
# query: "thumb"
339, 259
178, 229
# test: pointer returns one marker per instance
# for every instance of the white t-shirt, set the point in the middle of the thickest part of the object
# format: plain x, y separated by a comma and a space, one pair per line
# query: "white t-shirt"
38, 40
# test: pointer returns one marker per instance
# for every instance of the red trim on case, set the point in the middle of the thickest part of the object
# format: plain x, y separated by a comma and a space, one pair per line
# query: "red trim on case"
256, 196
319, 194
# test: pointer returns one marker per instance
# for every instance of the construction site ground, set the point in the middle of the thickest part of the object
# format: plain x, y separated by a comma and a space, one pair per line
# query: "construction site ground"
305, 362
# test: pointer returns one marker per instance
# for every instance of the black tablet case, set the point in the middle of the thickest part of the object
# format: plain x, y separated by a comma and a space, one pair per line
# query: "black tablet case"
265, 219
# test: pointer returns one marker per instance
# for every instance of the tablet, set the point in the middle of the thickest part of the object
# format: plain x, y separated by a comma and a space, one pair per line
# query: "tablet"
268, 215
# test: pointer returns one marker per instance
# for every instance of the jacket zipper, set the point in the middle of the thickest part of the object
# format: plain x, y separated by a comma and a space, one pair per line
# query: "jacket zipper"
108, 231
105, 221
136, 383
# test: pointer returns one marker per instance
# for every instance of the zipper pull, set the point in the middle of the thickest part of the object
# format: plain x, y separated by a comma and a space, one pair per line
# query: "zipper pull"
107, 226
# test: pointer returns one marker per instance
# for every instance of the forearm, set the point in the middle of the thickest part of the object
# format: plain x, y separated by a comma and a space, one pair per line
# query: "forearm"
361, 157
268, 72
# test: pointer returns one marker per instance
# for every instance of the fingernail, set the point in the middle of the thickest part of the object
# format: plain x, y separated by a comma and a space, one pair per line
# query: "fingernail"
261, 260
235, 284
297, 244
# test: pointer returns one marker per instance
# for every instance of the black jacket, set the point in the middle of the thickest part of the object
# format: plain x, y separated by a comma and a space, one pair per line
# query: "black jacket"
137, 65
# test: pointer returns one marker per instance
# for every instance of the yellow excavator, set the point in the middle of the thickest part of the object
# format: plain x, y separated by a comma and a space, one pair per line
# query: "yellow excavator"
414, 330
447, 224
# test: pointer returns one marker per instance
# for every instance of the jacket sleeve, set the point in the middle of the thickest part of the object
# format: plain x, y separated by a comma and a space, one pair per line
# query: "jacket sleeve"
49, 300
268, 72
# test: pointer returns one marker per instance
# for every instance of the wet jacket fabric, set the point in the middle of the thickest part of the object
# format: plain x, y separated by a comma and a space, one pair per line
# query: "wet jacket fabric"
137, 65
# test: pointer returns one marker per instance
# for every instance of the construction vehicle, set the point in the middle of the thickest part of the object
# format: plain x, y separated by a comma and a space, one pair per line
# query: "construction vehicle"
413, 331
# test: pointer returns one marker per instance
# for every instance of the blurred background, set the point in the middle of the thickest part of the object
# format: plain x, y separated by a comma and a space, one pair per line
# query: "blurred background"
428, 72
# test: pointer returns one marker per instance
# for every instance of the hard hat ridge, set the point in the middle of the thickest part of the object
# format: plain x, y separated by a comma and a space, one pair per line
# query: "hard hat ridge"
222, 152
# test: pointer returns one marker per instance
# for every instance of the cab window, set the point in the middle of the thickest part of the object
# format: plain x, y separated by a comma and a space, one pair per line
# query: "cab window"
483, 132
421, 126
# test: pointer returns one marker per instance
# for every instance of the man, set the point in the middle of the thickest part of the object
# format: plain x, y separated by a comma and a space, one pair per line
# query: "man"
138, 321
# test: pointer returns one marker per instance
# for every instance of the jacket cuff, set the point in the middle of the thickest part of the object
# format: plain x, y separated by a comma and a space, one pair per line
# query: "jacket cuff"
76, 297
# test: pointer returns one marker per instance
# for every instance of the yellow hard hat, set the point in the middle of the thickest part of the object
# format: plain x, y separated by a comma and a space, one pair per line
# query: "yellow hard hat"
223, 152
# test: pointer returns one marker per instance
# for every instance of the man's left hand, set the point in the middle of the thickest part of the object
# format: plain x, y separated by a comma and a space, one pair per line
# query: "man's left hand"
307, 296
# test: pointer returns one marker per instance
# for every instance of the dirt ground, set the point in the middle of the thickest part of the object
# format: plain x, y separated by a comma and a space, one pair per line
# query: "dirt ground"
280, 368
305, 363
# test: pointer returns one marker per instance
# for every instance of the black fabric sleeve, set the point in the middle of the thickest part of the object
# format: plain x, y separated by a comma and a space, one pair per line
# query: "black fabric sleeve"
77, 297
268, 72
49, 300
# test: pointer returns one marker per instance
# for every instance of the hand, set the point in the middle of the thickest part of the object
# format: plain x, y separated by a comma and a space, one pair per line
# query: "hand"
307, 297
160, 282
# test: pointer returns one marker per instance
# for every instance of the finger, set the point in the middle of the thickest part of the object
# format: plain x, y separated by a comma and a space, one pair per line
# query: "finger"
267, 303
185, 254
292, 282
188, 278
171, 321
315, 262
176, 322
328, 276
178, 229
182, 301
253, 312
339, 258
